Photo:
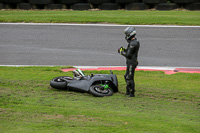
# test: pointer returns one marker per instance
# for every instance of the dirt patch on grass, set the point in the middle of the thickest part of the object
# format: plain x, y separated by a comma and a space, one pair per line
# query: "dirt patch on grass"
4, 111
82, 118
54, 116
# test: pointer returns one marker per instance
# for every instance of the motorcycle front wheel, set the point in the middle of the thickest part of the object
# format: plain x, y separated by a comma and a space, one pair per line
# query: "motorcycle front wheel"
59, 83
98, 92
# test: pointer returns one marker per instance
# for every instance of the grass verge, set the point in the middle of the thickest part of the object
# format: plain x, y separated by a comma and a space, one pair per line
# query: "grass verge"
163, 103
116, 17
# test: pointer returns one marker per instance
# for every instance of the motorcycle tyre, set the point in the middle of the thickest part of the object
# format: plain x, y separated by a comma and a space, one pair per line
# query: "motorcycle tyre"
98, 94
58, 85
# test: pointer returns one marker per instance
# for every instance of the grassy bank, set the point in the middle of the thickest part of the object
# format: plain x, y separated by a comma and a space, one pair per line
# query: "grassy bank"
163, 103
116, 17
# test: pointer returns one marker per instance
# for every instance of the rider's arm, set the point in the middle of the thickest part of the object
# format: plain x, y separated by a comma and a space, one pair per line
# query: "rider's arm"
128, 52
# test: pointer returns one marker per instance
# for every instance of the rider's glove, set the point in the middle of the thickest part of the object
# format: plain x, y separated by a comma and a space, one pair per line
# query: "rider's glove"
121, 49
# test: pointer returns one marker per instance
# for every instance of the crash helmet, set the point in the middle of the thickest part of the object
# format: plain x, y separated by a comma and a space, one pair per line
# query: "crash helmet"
130, 32
78, 73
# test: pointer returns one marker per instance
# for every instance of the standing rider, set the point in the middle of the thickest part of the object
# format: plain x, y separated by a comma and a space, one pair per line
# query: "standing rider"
131, 54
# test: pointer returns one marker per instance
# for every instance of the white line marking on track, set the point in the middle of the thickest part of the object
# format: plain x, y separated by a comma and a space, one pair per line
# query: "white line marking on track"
111, 25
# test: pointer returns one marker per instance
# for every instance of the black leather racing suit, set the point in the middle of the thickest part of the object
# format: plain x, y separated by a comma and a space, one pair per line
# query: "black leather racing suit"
131, 54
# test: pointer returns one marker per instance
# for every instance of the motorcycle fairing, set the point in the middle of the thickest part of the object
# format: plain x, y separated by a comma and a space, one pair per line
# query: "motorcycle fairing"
87, 81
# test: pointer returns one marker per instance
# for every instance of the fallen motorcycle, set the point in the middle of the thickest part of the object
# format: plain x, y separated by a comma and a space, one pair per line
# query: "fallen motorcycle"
99, 85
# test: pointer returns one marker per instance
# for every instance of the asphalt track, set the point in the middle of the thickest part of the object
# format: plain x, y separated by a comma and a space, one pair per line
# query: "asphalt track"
96, 45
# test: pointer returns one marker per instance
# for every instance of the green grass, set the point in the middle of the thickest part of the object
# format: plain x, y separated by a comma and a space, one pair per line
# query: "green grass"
116, 17
163, 103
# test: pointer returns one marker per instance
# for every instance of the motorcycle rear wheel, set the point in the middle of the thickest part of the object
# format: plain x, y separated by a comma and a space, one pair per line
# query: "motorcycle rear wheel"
96, 91
58, 83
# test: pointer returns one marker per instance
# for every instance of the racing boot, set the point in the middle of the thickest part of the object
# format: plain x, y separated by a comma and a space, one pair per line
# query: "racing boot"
127, 91
132, 93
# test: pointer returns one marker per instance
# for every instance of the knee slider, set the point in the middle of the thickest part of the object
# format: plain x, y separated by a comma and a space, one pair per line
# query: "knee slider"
128, 77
